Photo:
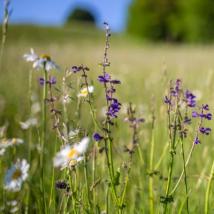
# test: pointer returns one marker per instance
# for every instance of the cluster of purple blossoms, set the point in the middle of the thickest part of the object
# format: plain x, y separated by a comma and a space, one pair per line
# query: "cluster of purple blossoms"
204, 114
176, 97
114, 105
190, 99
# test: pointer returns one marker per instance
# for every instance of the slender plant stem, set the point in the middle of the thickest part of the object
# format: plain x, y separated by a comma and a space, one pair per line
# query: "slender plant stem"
182, 173
206, 210
151, 195
44, 138
185, 175
4, 30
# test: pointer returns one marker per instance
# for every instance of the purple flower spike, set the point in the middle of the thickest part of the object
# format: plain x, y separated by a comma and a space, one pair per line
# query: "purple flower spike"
197, 141
97, 137
105, 78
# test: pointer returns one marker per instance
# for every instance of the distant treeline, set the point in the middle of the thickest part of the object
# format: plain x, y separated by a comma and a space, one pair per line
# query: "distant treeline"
172, 20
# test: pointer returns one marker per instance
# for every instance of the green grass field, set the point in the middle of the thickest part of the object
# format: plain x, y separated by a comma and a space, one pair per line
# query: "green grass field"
145, 71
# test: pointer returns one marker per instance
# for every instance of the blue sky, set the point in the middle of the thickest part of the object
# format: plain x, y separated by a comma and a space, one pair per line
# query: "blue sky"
55, 12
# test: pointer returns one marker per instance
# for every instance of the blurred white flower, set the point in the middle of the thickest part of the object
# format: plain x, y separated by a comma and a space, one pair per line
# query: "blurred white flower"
71, 155
16, 175
28, 123
4, 143
35, 108
73, 133
41, 62
2, 151
84, 91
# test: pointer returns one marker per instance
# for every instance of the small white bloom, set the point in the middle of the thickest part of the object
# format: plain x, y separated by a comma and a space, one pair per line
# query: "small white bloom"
4, 143
73, 133
84, 91
71, 155
2, 151
16, 175
35, 108
31, 57
28, 123
41, 62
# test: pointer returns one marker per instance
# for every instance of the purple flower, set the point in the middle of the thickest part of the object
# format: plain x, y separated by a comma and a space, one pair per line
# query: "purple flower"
105, 78
190, 99
195, 114
97, 137
52, 80
197, 141
114, 108
76, 69
175, 91
41, 81
204, 130
187, 120
205, 107
167, 100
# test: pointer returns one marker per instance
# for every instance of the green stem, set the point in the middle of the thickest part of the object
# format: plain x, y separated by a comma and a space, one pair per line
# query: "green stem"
185, 176
86, 183
182, 173
206, 210
43, 140
151, 195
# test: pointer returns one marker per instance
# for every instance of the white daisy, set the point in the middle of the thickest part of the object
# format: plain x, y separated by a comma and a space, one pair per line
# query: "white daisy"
4, 143
41, 62
16, 175
71, 155
84, 91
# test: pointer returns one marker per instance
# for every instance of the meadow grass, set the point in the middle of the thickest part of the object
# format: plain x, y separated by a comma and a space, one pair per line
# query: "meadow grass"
145, 71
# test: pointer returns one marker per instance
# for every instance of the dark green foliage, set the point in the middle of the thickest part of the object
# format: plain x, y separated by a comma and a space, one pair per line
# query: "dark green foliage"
81, 15
177, 20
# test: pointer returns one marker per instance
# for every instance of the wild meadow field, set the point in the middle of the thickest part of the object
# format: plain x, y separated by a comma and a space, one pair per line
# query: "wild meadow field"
68, 146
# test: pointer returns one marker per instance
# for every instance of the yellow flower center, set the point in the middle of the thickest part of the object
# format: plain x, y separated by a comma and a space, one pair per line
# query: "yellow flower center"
14, 141
72, 153
84, 92
16, 174
45, 56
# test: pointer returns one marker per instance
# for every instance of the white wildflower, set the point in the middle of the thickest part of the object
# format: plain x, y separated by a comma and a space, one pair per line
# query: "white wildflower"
4, 143
16, 175
41, 62
73, 133
71, 155
84, 91
28, 123
2, 151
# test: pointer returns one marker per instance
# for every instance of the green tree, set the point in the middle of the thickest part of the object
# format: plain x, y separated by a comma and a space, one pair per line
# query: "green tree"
154, 20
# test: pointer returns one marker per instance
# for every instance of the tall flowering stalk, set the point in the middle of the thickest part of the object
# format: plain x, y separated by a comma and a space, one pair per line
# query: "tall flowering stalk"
44, 63
134, 124
113, 106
